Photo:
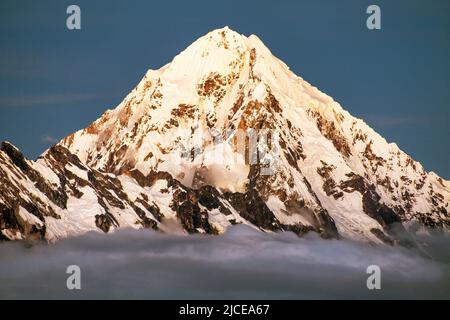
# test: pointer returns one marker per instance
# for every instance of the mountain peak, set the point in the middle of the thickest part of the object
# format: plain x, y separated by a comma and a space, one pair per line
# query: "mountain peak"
218, 49
224, 32
188, 125
224, 29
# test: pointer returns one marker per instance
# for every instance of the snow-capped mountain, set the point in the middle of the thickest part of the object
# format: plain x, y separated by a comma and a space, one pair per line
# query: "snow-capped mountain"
223, 134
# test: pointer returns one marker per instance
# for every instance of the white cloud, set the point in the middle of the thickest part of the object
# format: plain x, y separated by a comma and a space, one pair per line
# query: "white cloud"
393, 120
242, 264
48, 99
48, 139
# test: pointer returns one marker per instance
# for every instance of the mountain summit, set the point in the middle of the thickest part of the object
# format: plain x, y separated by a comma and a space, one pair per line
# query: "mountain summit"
223, 134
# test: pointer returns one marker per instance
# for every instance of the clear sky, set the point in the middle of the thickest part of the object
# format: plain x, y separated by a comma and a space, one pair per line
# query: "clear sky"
54, 81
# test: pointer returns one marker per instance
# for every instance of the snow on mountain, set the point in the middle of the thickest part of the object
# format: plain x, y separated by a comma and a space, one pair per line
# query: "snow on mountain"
223, 134
57, 196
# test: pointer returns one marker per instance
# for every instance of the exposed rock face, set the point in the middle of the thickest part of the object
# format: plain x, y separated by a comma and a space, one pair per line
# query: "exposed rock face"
291, 158
252, 208
26, 183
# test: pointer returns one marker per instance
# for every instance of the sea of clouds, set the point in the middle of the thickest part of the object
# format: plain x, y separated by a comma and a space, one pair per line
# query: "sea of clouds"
242, 263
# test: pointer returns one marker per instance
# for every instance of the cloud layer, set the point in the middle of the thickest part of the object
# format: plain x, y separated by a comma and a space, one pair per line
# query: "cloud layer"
243, 263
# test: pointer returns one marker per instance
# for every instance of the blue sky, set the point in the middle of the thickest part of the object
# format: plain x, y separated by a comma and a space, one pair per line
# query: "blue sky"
54, 81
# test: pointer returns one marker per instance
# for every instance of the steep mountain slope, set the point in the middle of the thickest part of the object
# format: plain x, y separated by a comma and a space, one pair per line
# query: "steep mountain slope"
57, 196
229, 119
